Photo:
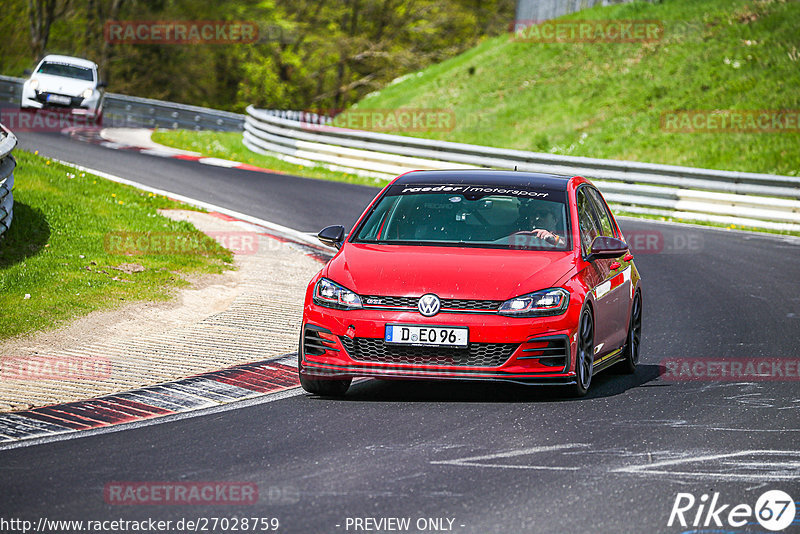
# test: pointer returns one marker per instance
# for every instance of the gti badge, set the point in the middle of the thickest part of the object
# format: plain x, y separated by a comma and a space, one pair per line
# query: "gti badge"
429, 305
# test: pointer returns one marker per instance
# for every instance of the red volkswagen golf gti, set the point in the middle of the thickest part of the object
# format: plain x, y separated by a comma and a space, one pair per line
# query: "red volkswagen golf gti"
474, 275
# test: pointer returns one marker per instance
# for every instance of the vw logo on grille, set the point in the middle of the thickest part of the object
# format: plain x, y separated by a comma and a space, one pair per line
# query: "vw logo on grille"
429, 305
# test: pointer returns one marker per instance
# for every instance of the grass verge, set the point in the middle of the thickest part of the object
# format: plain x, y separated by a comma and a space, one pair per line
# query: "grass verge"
56, 263
607, 99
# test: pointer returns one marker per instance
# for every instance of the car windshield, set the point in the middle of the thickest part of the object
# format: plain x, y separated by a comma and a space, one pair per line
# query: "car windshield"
67, 71
469, 215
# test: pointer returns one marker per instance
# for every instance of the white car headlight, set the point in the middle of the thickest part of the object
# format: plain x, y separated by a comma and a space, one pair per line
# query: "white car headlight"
34, 84
87, 93
331, 295
539, 304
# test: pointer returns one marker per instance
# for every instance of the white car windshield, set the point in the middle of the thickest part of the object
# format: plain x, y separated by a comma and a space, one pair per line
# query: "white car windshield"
67, 71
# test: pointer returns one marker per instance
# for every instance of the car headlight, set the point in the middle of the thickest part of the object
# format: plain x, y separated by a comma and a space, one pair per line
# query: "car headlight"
332, 295
34, 84
87, 93
539, 304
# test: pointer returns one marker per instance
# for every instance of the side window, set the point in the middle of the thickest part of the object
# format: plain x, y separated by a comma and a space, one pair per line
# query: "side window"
587, 219
606, 226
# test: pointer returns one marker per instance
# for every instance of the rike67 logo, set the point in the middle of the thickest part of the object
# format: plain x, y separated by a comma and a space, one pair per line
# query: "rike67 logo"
774, 510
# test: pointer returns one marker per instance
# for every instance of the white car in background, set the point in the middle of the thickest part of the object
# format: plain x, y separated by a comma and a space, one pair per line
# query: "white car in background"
65, 83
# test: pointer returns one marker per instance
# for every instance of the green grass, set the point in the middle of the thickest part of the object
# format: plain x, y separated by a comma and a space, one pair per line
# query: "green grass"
57, 252
228, 145
605, 100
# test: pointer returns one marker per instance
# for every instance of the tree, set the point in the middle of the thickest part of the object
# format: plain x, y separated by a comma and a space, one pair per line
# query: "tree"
41, 14
312, 54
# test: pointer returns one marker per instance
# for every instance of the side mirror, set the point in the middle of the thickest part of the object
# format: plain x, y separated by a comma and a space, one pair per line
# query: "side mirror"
333, 236
27, 72
604, 247
102, 84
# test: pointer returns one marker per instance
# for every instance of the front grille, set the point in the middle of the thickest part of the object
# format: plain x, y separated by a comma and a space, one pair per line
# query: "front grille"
461, 304
449, 304
477, 355
395, 302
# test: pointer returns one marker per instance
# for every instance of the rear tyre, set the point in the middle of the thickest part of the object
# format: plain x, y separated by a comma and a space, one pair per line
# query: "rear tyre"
584, 357
632, 347
326, 387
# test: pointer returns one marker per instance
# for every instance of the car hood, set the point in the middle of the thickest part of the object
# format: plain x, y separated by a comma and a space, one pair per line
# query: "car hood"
62, 85
449, 272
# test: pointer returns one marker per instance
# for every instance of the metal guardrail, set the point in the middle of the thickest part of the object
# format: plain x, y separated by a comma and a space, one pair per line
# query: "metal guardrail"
121, 111
749, 199
7, 164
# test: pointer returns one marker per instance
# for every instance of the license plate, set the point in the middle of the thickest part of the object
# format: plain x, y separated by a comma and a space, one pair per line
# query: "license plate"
429, 336
58, 99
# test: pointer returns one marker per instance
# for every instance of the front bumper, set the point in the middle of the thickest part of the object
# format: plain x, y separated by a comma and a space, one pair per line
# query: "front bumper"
77, 105
346, 344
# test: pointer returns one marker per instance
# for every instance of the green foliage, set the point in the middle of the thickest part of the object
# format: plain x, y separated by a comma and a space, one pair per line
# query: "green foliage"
312, 54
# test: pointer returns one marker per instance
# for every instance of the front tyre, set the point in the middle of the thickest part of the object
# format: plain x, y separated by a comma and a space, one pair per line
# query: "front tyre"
633, 343
584, 358
325, 387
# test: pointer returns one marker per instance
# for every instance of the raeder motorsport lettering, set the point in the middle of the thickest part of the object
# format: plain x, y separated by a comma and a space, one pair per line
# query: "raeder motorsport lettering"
471, 189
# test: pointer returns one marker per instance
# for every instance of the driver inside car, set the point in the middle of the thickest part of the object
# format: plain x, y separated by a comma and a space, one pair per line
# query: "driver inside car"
544, 226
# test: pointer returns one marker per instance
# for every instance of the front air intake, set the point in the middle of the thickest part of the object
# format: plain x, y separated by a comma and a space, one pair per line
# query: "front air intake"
314, 342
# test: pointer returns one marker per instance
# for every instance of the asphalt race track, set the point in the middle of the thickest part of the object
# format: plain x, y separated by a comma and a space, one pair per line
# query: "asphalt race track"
489, 458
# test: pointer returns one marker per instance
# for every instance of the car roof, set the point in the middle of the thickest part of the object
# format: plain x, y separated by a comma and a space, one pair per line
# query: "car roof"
553, 182
79, 62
